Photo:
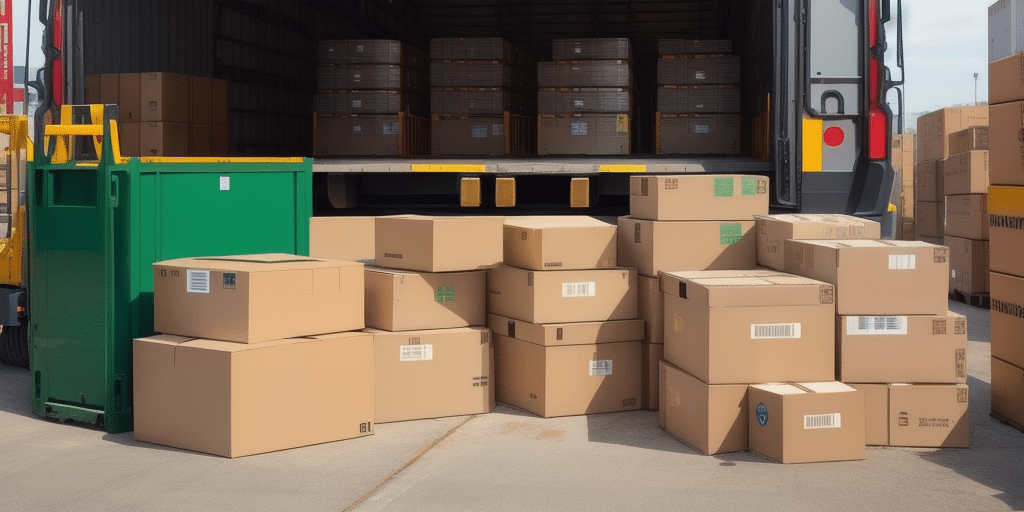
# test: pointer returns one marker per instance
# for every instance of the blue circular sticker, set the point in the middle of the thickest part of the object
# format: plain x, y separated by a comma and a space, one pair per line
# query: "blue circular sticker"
762, 414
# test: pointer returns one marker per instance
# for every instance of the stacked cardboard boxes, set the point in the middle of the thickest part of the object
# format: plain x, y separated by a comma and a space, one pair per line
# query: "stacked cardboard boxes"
698, 98
903, 157
228, 376
585, 98
372, 99
965, 183
483, 97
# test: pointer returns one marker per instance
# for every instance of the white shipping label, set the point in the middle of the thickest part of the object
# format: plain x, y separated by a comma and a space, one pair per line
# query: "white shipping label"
497, 129
601, 368
774, 331
359, 48
700, 75
357, 128
357, 77
702, 128
865, 325
585, 289
578, 49
816, 421
577, 103
390, 128
416, 353
357, 103
225, 182
197, 281
479, 130
902, 261
578, 128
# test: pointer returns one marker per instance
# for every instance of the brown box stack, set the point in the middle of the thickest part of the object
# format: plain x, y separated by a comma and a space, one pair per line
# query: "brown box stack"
903, 159
965, 180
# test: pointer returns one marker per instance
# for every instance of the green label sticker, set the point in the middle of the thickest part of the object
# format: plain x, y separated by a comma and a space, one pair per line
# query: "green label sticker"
750, 186
723, 187
444, 294
730, 233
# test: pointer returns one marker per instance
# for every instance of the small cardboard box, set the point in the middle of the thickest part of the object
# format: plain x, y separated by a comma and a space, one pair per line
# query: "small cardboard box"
200, 92
432, 373
929, 181
567, 380
651, 354
165, 97
129, 108
698, 197
1006, 229
342, 238
807, 422
651, 303
662, 246
232, 399
1006, 165
876, 277
438, 244
965, 173
163, 139
255, 298
711, 418
918, 348
967, 216
968, 264
974, 138
559, 243
933, 129
404, 301
930, 219
929, 416
774, 230
1008, 392
732, 328
876, 413
554, 296
573, 333
1007, 318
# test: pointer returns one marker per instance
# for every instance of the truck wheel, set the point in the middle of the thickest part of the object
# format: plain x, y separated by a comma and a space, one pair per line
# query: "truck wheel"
14, 345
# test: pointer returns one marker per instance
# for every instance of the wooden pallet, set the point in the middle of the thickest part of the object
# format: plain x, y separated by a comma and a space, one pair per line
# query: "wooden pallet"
978, 300
1006, 421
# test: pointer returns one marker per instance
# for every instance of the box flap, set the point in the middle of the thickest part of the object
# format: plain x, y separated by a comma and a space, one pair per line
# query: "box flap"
556, 221
777, 289
255, 263
670, 280
575, 333
166, 339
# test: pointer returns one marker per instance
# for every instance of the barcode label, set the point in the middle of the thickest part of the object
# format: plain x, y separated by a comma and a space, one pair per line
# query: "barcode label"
870, 325
902, 261
198, 281
416, 353
770, 331
601, 368
813, 421
587, 289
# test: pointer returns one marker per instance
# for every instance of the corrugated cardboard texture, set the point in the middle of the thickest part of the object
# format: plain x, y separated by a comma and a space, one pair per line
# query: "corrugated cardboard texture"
1006, 229
485, 48
710, 418
473, 136
876, 413
929, 219
974, 138
1007, 318
438, 244
372, 51
370, 102
929, 416
699, 99
699, 70
968, 264
929, 181
342, 238
690, 46
1007, 392
584, 134
967, 216
554, 296
340, 77
573, 333
200, 140
372, 135
591, 49
129, 135
1006, 79
480, 101
656, 246
884, 277
918, 348
433, 374
480, 73
774, 230
163, 139
129, 104
904, 154
234, 400
652, 308
965, 173
704, 134
165, 97
201, 100
1005, 147
559, 243
219, 103
567, 380
609, 100
650, 382
583, 73
405, 301
781, 419
698, 197
933, 129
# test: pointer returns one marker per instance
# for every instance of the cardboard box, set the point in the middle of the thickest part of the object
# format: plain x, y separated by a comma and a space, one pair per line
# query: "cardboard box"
662, 246
915, 349
908, 230
700, 134
572, 333
584, 134
109, 89
92, 89
438, 244
233, 400
965, 173
165, 97
1006, 80
706, 70
255, 298
933, 129
129, 108
904, 154
200, 140
934, 240
807, 422
1006, 229
1006, 166
774, 230
567, 242
930, 218
698, 197
1007, 318
968, 264
567, 380
432, 374
405, 301
651, 304
929, 416
200, 93
219, 138
711, 418
872, 277
876, 413
219, 102
554, 296
974, 138
1008, 392
651, 356
929, 181
728, 328
967, 216
364, 135
468, 136
342, 238
163, 139
907, 197
129, 136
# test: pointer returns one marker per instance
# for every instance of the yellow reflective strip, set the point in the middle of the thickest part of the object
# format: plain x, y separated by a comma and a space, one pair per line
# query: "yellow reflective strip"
217, 160
115, 142
622, 168
812, 145
448, 168
1006, 201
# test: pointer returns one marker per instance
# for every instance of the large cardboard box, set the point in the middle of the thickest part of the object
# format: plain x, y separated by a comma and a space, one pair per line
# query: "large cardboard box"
698, 197
907, 198
908, 229
200, 93
876, 277
571, 333
219, 102
568, 242
468, 136
554, 296
662, 246
876, 413
703, 70
342, 238
233, 399
1007, 318
363, 135
904, 154
915, 348
806, 422
933, 129
397, 300
254, 298
432, 373
968, 264
92, 89
934, 240
730, 328
929, 416
1006, 81
774, 230
129, 107
1006, 150
651, 354
129, 136
163, 139
1008, 392
711, 418
929, 180
974, 138
109, 89
584, 134
698, 134
967, 216
567, 380
1006, 229
200, 140
438, 244
930, 218
965, 173
651, 304
165, 97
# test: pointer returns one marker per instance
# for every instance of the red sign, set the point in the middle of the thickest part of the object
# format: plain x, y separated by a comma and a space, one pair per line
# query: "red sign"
6, 59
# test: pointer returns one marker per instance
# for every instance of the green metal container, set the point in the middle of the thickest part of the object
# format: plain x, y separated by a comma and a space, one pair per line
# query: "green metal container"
95, 232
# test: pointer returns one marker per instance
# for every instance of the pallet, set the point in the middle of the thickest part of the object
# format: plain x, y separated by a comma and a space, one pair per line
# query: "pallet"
1006, 421
978, 300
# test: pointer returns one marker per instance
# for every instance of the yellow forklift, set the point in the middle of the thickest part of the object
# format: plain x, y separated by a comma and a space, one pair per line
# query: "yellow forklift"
17, 151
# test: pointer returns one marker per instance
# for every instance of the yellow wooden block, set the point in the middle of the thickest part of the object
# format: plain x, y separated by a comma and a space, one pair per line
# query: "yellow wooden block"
469, 193
505, 192
579, 193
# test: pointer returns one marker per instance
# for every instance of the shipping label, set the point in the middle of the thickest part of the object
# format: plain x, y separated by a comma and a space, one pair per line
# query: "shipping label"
730, 233
225, 182
817, 421
416, 353
902, 262
582, 289
601, 367
444, 294
197, 281
774, 331
479, 131
578, 128
723, 187
875, 325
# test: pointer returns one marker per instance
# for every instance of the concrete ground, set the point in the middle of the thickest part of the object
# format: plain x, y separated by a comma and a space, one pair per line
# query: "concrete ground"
507, 460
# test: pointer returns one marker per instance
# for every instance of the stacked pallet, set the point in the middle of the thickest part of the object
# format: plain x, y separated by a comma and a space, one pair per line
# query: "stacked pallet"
965, 183
372, 99
698, 98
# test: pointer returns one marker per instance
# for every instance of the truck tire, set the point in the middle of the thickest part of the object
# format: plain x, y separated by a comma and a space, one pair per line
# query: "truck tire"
14, 346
